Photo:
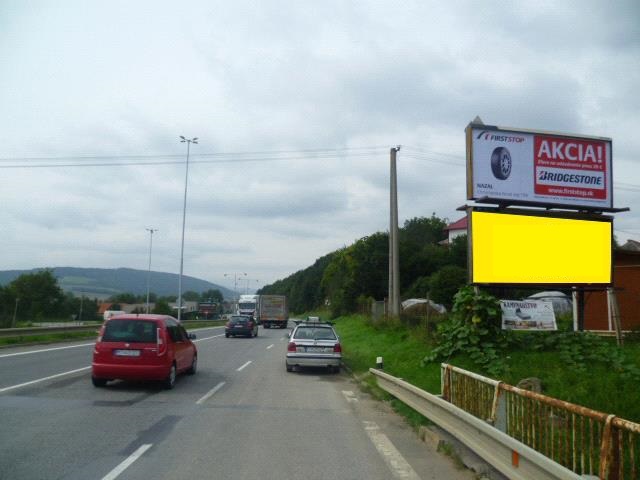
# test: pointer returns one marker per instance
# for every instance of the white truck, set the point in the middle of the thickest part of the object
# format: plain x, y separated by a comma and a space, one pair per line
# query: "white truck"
248, 305
273, 310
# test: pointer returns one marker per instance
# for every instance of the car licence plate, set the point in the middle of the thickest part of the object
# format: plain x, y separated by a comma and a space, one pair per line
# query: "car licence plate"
315, 349
126, 353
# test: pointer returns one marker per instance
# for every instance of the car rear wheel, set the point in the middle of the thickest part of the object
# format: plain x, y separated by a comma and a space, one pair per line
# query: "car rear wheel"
194, 366
289, 368
226, 335
170, 381
98, 382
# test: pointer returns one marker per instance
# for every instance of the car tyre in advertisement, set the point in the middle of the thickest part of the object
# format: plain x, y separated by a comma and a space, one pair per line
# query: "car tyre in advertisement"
501, 163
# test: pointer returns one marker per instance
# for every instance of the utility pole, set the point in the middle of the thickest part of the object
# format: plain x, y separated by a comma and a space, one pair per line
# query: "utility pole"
15, 313
394, 263
151, 231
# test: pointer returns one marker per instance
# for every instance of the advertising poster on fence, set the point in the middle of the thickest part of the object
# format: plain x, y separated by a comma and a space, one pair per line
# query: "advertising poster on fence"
530, 315
538, 167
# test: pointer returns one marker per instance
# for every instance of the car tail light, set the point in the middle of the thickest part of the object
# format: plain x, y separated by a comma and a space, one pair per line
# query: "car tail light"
291, 347
337, 348
161, 341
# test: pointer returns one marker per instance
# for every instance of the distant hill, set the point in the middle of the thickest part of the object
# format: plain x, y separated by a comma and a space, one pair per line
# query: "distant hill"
104, 282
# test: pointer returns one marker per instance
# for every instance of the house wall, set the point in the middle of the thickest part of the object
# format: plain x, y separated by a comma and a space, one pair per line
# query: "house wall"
626, 280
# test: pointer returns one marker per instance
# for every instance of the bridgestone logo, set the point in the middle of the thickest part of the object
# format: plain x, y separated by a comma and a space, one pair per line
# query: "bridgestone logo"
569, 178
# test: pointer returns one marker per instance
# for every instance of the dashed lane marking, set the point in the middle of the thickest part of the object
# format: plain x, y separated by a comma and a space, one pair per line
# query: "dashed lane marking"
208, 338
210, 393
243, 366
399, 467
47, 350
350, 396
13, 387
115, 473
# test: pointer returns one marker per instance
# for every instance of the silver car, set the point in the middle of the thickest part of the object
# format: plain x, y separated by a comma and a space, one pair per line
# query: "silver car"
314, 344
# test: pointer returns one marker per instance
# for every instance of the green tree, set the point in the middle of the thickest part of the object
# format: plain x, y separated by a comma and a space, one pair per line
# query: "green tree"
162, 308
212, 295
125, 298
445, 283
38, 295
191, 296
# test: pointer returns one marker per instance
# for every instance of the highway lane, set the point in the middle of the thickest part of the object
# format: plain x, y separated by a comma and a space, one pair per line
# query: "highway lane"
25, 364
241, 416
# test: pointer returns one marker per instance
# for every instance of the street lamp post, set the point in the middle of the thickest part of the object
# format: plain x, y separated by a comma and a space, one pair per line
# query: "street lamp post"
235, 282
246, 286
188, 141
151, 231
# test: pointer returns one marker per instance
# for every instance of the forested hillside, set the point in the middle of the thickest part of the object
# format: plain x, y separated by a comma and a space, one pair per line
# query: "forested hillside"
105, 282
344, 278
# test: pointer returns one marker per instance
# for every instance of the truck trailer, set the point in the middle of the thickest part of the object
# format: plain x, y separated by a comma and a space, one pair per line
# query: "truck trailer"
273, 310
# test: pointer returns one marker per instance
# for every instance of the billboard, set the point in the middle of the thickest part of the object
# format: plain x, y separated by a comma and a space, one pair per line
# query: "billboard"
528, 167
522, 248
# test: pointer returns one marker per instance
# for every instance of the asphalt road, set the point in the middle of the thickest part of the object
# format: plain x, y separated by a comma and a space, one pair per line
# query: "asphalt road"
242, 416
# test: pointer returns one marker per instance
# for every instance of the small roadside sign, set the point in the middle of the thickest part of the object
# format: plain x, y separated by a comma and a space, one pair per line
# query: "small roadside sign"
530, 315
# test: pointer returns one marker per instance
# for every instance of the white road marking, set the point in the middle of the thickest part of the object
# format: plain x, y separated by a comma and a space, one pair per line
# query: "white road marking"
47, 350
399, 467
243, 366
127, 462
210, 393
207, 338
270, 346
350, 396
13, 387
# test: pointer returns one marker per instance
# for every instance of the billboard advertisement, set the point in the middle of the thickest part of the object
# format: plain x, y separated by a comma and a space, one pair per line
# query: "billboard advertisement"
545, 168
530, 315
522, 248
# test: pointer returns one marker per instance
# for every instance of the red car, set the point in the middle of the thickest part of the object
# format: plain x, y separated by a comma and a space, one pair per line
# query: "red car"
143, 347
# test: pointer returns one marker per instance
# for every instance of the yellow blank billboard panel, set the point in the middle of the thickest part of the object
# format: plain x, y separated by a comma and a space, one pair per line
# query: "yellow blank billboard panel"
514, 249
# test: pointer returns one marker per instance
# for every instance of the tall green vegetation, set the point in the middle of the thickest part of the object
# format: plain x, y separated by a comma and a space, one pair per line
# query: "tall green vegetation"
37, 296
342, 279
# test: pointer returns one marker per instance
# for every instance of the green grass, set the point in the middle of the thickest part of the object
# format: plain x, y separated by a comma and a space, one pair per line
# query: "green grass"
49, 338
403, 348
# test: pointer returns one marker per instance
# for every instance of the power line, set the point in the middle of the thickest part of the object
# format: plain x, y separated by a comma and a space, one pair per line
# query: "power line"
232, 158
216, 154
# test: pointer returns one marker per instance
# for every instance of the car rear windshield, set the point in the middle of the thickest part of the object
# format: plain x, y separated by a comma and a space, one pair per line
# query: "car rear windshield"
133, 331
314, 333
239, 319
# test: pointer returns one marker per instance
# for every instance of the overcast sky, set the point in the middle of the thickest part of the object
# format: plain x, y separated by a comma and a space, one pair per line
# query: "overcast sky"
296, 104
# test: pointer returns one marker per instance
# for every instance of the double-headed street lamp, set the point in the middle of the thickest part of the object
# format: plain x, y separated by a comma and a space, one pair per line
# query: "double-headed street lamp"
188, 141
151, 232
235, 282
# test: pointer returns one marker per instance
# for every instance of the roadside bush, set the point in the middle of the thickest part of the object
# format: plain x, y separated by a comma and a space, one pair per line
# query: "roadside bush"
474, 329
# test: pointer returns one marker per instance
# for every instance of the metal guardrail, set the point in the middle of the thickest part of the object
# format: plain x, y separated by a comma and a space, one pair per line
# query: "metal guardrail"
66, 328
583, 440
507, 455
31, 331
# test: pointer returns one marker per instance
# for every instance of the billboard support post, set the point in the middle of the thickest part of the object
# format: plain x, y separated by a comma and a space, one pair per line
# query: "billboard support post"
580, 309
